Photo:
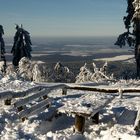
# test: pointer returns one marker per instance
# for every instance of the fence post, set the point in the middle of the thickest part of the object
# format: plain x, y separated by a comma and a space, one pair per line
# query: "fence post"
64, 91
120, 93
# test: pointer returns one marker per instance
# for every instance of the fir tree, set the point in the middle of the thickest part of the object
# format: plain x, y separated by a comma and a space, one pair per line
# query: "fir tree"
22, 45
132, 38
2, 47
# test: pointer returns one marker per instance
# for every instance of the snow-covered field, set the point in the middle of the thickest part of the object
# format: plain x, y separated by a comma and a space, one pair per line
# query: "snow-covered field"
117, 58
116, 120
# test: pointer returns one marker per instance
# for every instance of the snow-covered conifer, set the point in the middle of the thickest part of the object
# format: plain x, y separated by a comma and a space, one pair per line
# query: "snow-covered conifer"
2, 48
22, 45
132, 36
85, 74
61, 74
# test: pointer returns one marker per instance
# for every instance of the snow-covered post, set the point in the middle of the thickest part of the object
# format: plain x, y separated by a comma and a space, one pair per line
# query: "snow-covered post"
120, 93
64, 91
137, 121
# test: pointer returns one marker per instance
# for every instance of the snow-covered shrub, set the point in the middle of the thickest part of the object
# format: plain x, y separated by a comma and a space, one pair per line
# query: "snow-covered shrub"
32, 71
25, 68
1, 66
84, 75
96, 75
11, 72
41, 73
2, 69
61, 74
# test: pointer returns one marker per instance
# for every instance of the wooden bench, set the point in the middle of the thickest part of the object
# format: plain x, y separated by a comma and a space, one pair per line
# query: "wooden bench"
26, 108
86, 106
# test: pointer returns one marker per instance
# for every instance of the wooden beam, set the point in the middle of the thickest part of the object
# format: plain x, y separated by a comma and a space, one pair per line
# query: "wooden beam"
104, 90
26, 92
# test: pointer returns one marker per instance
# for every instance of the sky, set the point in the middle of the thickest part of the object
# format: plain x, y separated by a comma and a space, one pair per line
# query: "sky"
44, 18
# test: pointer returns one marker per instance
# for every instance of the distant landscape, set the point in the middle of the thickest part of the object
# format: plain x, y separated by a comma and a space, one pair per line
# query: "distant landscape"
72, 49
74, 52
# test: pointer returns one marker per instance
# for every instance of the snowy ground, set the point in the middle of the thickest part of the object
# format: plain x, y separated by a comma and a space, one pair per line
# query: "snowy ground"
116, 120
117, 58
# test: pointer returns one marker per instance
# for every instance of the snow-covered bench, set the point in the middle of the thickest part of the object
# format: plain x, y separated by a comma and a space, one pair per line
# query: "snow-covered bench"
84, 107
36, 101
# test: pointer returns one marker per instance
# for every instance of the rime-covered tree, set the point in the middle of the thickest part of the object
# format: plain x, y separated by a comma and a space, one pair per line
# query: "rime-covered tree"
95, 75
22, 45
132, 38
2, 48
61, 73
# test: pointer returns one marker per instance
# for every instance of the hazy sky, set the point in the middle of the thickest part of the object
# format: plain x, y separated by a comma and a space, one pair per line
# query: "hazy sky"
64, 17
